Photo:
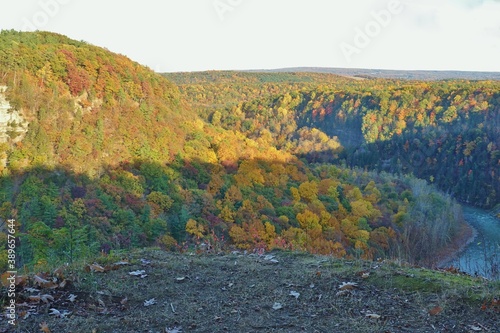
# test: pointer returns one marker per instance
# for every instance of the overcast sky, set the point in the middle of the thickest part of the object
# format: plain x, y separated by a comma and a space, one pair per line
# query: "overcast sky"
191, 35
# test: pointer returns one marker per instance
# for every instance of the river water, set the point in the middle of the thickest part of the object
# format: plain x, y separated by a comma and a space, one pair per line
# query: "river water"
481, 256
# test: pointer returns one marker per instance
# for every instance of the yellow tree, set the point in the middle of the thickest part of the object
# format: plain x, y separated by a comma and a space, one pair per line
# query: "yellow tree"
240, 237
227, 214
296, 237
309, 190
215, 184
270, 235
246, 212
194, 228
374, 194
295, 194
233, 194
364, 208
309, 220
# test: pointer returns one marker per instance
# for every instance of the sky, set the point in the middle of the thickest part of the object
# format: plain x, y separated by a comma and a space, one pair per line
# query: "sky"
195, 35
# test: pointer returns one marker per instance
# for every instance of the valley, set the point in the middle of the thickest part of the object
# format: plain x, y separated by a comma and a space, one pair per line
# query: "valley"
120, 157
111, 159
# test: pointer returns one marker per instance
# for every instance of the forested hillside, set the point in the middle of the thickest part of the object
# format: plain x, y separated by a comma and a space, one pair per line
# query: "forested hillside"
116, 156
446, 132
86, 106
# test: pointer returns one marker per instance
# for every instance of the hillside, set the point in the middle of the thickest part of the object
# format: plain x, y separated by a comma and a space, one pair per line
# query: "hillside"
115, 158
85, 106
274, 292
445, 132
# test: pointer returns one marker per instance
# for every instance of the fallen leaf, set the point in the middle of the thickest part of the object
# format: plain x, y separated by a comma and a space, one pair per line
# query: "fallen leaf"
435, 311
294, 294
20, 280
44, 327
271, 259
112, 267
58, 313
124, 301
150, 302
348, 285
40, 281
46, 298
34, 299
58, 272
277, 306
343, 292
180, 279
24, 314
95, 268
493, 305
51, 285
475, 328
31, 290
173, 330
63, 284
363, 274
72, 298
138, 272
373, 316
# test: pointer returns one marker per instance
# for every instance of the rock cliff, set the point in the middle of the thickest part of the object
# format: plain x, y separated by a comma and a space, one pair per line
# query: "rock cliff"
12, 124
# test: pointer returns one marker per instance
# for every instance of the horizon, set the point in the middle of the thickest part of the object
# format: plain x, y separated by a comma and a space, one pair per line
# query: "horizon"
295, 68
238, 35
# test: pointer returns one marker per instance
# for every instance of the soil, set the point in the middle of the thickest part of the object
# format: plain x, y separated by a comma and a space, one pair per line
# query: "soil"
278, 292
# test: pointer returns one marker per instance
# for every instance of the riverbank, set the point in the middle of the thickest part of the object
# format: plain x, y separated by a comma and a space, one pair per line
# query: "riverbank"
465, 236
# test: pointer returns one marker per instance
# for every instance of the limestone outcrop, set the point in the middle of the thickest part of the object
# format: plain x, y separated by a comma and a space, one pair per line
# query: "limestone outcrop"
12, 125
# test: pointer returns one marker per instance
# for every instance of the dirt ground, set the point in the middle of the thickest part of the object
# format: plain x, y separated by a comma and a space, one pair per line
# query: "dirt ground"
277, 292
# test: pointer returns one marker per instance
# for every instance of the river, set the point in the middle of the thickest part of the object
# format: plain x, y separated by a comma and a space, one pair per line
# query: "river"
481, 256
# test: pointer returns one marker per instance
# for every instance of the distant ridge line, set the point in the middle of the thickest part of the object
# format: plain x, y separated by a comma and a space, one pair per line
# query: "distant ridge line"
426, 75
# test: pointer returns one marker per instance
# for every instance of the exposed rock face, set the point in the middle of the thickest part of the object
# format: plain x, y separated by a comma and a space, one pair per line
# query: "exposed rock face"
12, 125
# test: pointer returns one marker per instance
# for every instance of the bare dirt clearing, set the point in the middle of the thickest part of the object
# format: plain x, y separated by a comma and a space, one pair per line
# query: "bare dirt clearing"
156, 291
